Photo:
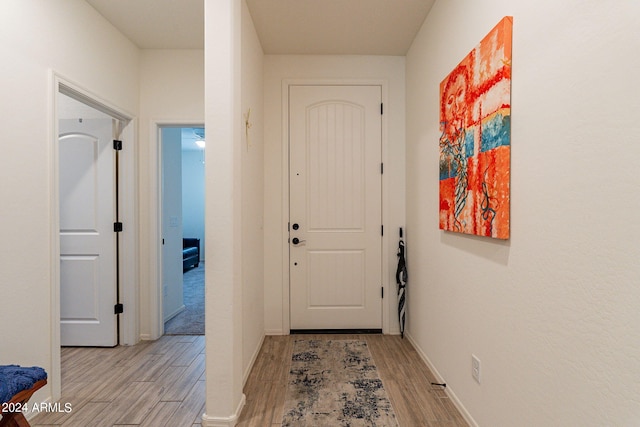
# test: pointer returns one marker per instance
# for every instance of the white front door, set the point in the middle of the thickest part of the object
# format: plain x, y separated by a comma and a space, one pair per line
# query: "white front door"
87, 238
335, 207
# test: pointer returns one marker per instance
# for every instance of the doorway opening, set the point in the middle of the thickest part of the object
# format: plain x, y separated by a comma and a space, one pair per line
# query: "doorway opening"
335, 207
387, 299
182, 229
89, 241
96, 224
72, 103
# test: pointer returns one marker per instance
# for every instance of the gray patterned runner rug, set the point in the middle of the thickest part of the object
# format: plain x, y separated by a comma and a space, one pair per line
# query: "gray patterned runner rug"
335, 383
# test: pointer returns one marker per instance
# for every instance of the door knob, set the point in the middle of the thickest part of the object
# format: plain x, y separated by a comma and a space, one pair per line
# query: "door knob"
296, 241
296, 226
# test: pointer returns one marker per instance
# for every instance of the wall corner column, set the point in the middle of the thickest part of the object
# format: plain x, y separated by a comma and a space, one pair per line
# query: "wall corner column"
223, 275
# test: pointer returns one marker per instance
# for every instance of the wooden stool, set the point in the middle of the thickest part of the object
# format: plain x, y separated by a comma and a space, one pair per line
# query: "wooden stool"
19, 402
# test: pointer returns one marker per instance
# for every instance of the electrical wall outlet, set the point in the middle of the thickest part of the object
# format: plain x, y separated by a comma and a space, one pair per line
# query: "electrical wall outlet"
475, 368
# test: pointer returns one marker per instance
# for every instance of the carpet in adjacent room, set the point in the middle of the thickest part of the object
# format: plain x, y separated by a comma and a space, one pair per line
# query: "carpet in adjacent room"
191, 320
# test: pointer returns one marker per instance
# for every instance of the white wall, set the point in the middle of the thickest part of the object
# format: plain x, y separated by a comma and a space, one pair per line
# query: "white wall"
172, 283
193, 196
171, 93
223, 205
234, 194
552, 313
38, 36
252, 192
282, 67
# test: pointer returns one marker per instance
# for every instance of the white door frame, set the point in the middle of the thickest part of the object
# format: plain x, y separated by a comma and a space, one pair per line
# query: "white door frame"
129, 325
155, 222
286, 320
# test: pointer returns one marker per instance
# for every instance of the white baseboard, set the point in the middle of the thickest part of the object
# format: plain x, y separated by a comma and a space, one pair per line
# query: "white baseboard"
249, 367
465, 414
30, 414
229, 421
232, 420
175, 313
274, 332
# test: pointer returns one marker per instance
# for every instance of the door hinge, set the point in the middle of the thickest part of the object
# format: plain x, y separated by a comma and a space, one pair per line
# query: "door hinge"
382, 230
118, 308
382, 291
117, 144
381, 108
381, 168
117, 227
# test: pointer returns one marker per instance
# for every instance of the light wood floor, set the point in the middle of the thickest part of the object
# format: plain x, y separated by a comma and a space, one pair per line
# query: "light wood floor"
161, 383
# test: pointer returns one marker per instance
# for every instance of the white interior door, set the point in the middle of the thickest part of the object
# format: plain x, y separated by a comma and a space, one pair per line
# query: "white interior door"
172, 279
335, 207
87, 238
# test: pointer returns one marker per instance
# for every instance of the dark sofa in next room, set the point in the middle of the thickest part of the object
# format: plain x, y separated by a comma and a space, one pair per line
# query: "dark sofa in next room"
190, 252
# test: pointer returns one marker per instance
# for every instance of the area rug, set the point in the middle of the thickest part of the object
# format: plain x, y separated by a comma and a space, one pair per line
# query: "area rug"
191, 320
335, 383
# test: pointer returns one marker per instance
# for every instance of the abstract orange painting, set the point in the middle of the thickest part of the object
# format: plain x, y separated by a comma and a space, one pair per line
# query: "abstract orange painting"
475, 141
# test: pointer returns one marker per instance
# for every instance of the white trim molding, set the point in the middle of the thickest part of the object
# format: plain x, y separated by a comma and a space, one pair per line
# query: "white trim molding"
252, 362
456, 402
229, 421
129, 326
154, 221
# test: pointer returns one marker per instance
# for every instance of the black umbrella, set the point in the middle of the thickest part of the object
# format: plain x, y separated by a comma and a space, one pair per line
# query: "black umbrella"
401, 280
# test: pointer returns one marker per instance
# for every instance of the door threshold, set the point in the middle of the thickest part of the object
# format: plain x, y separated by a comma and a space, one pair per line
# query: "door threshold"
334, 331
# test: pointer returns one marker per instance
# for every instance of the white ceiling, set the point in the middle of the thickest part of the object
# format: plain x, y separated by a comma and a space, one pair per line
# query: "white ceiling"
156, 24
362, 27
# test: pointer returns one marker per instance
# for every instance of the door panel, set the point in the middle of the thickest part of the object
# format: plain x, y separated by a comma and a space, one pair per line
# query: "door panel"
87, 239
336, 279
76, 272
335, 147
79, 183
335, 202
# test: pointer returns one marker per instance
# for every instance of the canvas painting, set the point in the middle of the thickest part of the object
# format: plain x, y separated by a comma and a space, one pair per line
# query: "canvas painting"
475, 141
